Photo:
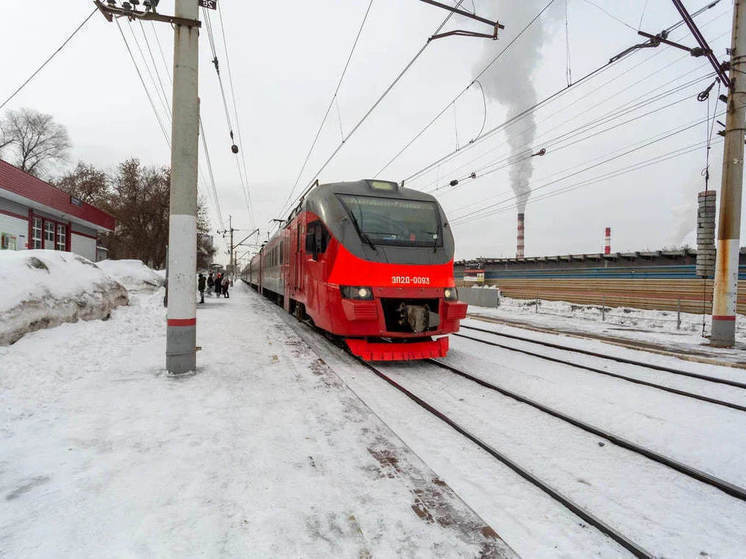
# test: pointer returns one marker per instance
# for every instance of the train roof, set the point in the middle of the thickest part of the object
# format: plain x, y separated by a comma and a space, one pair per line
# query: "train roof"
370, 187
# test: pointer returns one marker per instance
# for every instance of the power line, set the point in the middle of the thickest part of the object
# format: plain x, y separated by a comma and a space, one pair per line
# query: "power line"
378, 102
212, 189
594, 180
508, 122
328, 109
603, 86
612, 16
461, 93
235, 111
605, 119
226, 107
649, 143
160, 93
48, 60
557, 94
155, 67
145, 87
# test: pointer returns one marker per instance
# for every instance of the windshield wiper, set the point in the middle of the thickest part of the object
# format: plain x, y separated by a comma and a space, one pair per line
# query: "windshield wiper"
362, 233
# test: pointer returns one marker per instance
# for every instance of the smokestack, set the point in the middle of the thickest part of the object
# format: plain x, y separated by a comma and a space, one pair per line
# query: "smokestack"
520, 248
607, 241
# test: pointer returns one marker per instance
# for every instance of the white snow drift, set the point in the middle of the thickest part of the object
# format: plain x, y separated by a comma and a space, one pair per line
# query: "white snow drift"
44, 288
132, 274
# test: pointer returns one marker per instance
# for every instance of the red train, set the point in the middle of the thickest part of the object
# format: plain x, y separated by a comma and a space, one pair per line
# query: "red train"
368, 261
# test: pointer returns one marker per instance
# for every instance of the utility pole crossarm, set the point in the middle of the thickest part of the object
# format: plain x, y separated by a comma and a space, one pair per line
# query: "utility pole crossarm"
702, 42
112, 11
496, 25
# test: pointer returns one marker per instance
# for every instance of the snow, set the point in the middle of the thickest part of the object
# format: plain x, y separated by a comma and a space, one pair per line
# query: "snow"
43, 288
263, 453
132, 274
283, 445
650, 503
622, 323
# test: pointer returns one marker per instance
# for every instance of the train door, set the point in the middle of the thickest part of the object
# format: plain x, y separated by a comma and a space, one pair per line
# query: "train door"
298, 255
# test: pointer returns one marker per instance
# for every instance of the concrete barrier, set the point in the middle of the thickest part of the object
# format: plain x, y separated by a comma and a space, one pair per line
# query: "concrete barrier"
479, 297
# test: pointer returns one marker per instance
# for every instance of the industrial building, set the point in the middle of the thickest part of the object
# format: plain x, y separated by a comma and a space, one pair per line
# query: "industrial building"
664, 279
36, 215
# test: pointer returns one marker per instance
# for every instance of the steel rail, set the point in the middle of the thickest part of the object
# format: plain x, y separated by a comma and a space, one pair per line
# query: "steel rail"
621, 539
725, 486
684, 393
612, 358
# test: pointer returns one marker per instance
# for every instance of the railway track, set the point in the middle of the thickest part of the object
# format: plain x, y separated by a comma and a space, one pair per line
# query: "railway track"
634, 380
636, 549
611, 357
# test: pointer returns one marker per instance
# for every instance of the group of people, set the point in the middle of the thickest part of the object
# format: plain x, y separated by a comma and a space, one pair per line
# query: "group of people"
219, 283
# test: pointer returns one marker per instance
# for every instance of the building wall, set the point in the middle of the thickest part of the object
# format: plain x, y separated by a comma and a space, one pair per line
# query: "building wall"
85, 246
663, 283
14, 231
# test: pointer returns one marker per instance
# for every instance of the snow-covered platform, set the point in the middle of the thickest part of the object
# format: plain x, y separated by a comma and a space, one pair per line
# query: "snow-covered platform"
264, 452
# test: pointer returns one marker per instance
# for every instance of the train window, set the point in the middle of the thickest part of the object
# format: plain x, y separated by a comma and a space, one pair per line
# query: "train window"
317, 239
394, 221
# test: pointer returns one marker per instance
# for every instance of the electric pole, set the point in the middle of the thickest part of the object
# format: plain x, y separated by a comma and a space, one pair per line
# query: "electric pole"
729, 225
181, 329
181, 337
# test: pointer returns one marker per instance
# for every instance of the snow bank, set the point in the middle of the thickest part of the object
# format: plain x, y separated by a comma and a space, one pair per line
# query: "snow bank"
133, 274
44, 288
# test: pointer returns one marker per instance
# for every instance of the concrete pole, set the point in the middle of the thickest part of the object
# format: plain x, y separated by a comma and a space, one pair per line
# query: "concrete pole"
729, 225
181, 340
233, 264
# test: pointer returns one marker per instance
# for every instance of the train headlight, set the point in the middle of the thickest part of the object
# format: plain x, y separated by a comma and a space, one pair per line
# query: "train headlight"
451, 294
357, 292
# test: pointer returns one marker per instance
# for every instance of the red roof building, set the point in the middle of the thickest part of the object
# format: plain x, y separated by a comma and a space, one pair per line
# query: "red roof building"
36, 215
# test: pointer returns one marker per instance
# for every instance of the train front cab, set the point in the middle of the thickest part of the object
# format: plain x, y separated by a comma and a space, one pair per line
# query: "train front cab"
388, 302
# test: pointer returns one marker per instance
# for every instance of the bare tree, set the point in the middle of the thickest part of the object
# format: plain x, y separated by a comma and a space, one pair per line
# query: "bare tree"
86, 183
37, 139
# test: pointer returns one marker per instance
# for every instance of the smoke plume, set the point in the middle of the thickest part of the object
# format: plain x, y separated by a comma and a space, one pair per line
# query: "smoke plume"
510, 80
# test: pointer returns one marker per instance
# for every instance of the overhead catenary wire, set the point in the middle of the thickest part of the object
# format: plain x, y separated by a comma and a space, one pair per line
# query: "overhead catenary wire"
375, 105
212, 188
48, 59
229, 119
328, 109
485, 210
608, 13
564, 138
602, 86
550, 98
594, 180
242, 153
463, 91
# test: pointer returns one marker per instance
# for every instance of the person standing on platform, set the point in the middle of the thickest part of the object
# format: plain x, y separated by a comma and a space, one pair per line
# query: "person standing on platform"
218, 285
226, 284
201, 287
210, 283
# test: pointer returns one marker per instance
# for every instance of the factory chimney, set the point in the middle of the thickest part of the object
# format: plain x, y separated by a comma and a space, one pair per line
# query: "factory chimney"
520, 248
607, 241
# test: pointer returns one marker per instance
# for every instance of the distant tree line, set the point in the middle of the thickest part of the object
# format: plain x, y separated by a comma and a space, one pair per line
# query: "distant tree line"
136, 195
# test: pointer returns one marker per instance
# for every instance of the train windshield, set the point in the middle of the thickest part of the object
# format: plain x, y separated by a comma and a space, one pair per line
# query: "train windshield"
393, 221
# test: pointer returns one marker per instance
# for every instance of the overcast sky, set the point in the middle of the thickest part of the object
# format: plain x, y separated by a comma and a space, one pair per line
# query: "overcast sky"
286, 58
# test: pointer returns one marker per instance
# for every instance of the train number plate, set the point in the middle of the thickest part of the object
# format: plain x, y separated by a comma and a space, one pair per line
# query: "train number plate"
410, 280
